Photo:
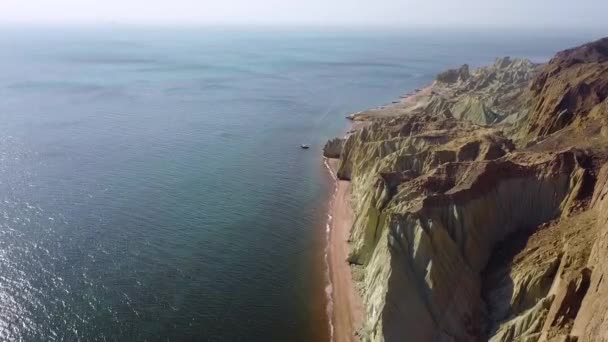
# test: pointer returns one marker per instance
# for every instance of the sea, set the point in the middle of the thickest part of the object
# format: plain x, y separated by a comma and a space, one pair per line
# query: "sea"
152, 184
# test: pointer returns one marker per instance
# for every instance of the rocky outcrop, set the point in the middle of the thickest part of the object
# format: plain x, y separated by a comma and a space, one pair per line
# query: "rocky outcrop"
433, 197
484, 96
487, 96
591, 320
454, 75
572, 87
333, 148
479, 214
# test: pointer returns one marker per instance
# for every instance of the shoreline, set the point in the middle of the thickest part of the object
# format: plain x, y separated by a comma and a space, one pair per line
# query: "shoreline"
344, 305
406, 103
434, 157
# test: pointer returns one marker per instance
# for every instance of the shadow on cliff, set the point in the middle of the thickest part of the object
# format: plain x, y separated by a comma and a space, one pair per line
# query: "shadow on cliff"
497, 284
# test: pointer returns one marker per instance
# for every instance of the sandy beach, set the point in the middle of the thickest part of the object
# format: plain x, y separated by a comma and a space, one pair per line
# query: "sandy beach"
346, 307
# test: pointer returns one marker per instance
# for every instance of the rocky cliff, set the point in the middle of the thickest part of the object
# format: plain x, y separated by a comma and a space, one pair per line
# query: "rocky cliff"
487, 95
481, 207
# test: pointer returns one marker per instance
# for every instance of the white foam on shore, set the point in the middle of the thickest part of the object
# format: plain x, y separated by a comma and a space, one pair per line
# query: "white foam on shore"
329, 288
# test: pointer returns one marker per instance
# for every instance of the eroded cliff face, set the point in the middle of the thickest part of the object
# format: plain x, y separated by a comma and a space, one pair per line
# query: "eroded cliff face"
430, 207
570, 90
484, 96
590, 323
489, 95
471, 228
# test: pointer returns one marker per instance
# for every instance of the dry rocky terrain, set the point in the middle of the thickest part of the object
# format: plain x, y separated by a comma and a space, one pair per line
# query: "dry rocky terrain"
481, 207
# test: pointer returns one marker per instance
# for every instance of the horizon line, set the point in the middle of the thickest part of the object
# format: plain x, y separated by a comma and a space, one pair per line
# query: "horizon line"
229, 25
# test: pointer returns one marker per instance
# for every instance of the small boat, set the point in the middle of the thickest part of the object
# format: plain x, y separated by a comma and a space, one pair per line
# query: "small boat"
304, 146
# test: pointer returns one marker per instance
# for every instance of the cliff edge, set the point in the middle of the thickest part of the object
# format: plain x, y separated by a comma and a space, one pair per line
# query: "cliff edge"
480, 204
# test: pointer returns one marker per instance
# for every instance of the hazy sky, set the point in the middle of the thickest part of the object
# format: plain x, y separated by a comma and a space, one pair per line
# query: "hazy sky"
441, 13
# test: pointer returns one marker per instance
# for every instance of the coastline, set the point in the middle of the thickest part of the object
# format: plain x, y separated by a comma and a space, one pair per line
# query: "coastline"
406, 103
344, 303
344, 307
448, 246
446, 171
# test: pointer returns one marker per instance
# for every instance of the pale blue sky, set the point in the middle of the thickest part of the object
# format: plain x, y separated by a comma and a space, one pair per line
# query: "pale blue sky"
441, 13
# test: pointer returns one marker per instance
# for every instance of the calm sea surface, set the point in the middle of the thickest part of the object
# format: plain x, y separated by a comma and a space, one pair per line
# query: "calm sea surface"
151, 181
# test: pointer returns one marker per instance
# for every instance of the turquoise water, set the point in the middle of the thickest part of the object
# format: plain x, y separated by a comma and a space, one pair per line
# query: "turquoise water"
151, 181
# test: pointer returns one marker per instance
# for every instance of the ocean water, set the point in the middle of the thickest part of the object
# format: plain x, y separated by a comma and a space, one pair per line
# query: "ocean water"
151, 181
